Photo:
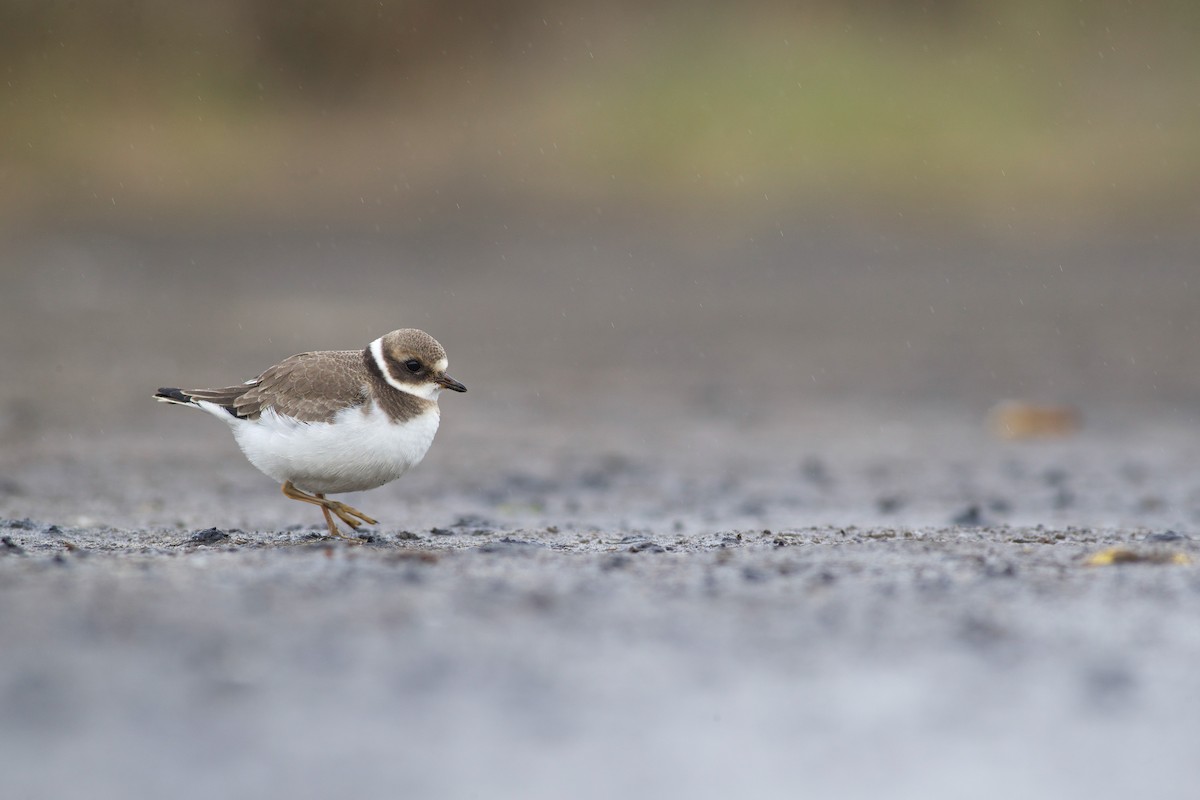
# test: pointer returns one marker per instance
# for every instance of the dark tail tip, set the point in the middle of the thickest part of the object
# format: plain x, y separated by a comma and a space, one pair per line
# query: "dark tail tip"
172, 395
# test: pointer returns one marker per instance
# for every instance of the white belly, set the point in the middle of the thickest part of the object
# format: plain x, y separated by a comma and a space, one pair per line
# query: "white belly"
355, 452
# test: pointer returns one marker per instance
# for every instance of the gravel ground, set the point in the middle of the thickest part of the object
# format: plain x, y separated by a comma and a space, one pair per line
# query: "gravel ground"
710, 522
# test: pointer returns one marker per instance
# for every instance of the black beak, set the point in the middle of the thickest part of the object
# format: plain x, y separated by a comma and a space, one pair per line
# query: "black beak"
446, 382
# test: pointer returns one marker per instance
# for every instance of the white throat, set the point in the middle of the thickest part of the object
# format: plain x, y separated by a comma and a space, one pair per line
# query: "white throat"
426, 391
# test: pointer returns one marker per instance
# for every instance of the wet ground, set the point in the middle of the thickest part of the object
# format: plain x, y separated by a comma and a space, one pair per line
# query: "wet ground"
710, 522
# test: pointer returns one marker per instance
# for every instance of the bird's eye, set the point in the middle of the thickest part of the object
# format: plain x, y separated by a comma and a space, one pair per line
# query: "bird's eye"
412, 365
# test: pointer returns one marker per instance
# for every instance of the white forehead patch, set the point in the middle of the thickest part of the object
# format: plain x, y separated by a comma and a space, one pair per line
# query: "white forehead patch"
441, 365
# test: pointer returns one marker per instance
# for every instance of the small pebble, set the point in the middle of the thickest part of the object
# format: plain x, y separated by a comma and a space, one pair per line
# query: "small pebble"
969, 518
1165, 536
209, 536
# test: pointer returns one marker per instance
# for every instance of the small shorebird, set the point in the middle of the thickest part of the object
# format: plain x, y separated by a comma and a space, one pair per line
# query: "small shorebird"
335, 420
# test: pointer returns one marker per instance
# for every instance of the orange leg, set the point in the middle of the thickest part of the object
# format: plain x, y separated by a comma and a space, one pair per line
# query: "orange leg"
347, 514
328, 516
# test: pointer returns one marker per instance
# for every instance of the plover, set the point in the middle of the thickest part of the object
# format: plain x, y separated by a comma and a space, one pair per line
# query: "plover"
336, 420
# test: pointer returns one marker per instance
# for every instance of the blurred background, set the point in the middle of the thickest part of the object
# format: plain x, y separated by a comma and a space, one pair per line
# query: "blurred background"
740, 209
706, 268
1050, 117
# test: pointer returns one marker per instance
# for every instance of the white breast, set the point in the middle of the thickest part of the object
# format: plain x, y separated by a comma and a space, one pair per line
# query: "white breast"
357, 451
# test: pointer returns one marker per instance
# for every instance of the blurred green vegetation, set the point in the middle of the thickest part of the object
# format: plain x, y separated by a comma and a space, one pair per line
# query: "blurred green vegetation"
1020, 114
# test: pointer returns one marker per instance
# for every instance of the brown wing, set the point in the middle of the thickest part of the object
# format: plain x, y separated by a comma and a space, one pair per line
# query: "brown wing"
310, 387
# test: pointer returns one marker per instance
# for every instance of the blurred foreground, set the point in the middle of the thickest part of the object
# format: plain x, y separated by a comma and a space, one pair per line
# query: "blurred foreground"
709, 518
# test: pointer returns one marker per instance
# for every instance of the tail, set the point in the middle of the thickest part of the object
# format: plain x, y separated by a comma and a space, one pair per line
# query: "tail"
217, 402
169, 395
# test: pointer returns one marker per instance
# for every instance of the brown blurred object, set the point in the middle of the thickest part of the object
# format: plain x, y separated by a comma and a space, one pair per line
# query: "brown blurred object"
1014, 419
1122, 555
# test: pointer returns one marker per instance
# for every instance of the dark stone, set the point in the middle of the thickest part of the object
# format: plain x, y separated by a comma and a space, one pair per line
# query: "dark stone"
508, 545
1151, 503
407, 536
889, 505
1005, 569
813, 470
970, 517
1055, 476
753, 575
1134, 473
471, 521
209, 536
999, 505
1166, 536
647, 547
9, 546
754, 507
981, 632
596, 479
1109, 686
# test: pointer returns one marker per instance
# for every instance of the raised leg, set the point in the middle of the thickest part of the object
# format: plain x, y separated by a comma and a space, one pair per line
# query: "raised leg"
347, 514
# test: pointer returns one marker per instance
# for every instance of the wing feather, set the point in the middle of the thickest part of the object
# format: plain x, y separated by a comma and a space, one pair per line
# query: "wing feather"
308, 387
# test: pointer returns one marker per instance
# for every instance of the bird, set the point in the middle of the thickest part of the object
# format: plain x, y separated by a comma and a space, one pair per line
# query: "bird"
333, 421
